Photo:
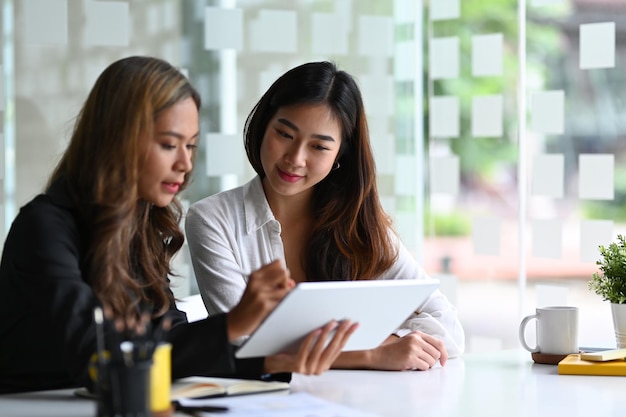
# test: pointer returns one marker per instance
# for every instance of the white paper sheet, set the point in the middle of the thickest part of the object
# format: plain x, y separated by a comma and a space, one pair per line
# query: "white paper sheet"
298, 404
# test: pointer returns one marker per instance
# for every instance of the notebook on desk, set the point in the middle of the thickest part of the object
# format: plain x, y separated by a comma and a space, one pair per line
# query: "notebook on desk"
574, 365
379, 306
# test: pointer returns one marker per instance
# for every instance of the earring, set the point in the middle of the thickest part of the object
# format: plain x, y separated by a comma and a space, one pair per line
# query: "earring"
336, 165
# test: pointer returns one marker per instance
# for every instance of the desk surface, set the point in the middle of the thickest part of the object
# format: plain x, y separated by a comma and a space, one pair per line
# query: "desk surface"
504, 383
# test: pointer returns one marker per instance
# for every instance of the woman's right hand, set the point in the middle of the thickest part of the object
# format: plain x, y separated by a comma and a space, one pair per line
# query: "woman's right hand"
314, 355
266, 288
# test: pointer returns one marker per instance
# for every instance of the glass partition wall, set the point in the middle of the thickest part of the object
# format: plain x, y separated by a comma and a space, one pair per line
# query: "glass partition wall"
496, 124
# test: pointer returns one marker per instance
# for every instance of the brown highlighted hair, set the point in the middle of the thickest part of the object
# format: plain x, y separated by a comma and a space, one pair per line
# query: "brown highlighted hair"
129, 242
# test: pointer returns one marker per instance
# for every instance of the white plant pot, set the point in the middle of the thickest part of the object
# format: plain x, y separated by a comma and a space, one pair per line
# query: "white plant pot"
619, 323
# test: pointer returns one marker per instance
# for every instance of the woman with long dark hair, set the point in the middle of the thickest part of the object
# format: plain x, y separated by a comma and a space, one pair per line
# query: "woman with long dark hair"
314, 204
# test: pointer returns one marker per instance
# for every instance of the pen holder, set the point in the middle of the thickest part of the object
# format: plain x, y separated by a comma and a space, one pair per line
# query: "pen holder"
124, 390
161, 379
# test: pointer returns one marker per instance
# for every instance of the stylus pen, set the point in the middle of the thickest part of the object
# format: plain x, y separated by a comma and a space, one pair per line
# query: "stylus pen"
192, 409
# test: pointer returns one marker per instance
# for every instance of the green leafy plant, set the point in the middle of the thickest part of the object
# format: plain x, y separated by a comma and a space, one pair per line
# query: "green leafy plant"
610, 282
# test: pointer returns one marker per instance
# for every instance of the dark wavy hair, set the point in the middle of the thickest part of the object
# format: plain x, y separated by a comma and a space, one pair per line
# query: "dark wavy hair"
351, 232
130, 242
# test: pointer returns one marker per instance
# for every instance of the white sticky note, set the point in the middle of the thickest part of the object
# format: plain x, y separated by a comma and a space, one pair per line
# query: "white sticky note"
274, 31
486, 235
487, 116
377, 91
375, 36
597, 45
548, 112
329, 34
444, 58
594, 233
596, 176
487, 55
224, 154
405, 65
548, 174
547, 238
444, 9
545, 2
2, 153
444, 117
551, 295
2, 96
107, 23
444, 175
404, 11
223, 29
45, 22
405, 168
406, 224
383, 144
268, 76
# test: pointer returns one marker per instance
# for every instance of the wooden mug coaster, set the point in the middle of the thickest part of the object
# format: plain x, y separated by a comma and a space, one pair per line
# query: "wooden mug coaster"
547, 358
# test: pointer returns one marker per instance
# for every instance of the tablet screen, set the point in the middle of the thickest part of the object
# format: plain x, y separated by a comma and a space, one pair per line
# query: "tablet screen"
379, 306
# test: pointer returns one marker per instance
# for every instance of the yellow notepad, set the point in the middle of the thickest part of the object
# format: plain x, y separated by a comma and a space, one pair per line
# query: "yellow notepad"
196, 387
573, 365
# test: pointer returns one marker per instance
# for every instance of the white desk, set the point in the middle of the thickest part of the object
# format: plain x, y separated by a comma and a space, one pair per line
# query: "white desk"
503, 384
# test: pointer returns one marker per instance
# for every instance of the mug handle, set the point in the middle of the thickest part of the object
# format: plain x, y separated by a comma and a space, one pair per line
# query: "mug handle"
522, 335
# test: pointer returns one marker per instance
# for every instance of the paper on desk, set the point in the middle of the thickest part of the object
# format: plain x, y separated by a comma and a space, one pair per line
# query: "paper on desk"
298, 404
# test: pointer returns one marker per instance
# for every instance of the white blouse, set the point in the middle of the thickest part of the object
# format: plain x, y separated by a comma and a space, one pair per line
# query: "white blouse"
233, 233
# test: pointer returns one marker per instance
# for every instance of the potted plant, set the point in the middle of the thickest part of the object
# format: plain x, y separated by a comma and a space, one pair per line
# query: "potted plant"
610, 284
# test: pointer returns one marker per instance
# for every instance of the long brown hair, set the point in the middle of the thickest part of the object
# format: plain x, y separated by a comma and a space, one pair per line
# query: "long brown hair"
129, 242
351, 233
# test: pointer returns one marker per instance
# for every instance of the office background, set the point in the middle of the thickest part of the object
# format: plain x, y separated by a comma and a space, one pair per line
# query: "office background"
498, 125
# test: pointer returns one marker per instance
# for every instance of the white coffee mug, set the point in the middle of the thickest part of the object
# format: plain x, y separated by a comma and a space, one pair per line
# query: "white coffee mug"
557, 330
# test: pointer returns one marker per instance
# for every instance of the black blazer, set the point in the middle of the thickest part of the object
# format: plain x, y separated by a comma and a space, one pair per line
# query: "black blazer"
47, 333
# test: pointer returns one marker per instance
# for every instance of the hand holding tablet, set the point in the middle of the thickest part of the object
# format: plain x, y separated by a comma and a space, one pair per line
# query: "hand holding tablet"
378, 306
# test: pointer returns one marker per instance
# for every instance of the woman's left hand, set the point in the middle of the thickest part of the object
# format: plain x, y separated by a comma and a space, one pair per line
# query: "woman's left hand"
415, 351
315, 355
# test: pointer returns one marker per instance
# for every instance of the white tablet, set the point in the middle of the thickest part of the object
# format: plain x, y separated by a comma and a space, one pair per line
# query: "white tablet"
379, 306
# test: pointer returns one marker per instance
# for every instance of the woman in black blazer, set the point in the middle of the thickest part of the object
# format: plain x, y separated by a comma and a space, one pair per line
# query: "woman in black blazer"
104, 233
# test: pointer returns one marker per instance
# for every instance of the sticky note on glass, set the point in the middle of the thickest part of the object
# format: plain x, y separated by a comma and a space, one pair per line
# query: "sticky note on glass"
487, 114
444, 9
224, 154
545, 2
45, 22
547, 238
107, 23
274, 31
375, 36
329, 34
405, 11
594, 233
548, 112
406, 61
377, 93
444, 117
383, 144
486, 235
407, 165
487, 55
547, 175
444, 175
223, 29
444, 58
597, 45
596, 176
